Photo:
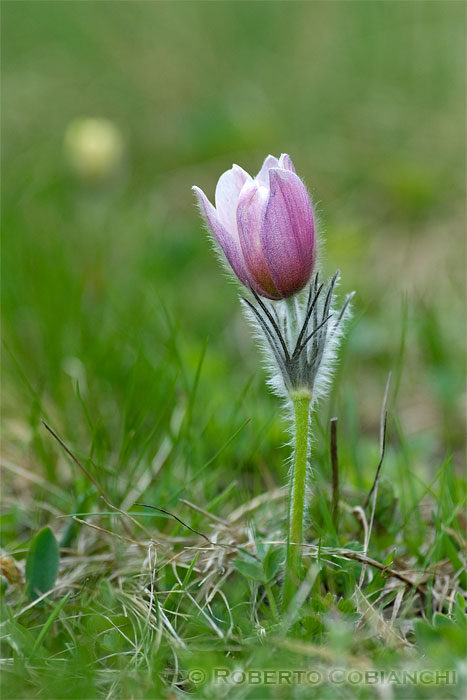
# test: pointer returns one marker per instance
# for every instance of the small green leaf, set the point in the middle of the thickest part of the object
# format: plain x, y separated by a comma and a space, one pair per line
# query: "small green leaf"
250, 569
55, 612
317, 604
440, 621
313, 626
260, 550
18, 637
425, 633
346, 606
451, 553
272, 562
42, 563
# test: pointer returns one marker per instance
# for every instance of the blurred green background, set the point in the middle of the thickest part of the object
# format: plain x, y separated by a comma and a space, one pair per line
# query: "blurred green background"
110, 288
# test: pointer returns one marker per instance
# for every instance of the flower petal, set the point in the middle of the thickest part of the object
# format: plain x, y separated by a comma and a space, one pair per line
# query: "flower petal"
229, 243
227, 192
287, 232
263, 175
250, 213
285, 162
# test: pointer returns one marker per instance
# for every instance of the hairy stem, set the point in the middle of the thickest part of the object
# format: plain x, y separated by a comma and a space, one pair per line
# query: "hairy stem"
297, 500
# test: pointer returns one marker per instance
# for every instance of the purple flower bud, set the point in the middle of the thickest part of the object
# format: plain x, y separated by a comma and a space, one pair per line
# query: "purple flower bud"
264, 226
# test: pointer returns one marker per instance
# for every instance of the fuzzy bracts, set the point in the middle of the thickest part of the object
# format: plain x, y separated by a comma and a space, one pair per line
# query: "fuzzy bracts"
300, 337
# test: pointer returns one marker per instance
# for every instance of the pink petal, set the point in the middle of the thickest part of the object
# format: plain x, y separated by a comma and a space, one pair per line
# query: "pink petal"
228, 190
250, 212
263, 175
285, 162
287, 232
229, 243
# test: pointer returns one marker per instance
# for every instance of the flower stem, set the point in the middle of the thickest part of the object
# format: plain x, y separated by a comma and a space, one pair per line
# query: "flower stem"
297, 500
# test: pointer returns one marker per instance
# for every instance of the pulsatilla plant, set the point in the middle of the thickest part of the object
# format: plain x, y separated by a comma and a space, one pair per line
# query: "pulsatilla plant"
264, 228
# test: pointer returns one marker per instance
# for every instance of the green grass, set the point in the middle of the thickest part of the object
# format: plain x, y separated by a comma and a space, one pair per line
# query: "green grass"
121, 332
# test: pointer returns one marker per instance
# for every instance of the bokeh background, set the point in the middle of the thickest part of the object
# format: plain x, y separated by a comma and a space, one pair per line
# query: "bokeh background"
111, 293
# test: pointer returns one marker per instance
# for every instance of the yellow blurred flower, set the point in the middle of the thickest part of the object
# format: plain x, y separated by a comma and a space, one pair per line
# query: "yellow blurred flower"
94, 148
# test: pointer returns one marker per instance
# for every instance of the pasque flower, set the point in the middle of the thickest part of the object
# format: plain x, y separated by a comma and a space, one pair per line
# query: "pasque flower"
264, 226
